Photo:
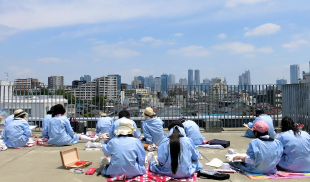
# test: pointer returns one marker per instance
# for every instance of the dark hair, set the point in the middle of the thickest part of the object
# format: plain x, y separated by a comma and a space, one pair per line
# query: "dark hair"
21, 116
288, 124
58, 109
259, 112
259, 134
175, 146
123, 113
129, 135
51, 110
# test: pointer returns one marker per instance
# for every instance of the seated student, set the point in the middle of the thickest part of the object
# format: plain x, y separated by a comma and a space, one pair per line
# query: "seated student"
296, 146
104, 124
8, 120
45, 122
152, 127
264, 117
16, 134
264, 153
123, 115
60, 131
126, 152
192, 130
177, 154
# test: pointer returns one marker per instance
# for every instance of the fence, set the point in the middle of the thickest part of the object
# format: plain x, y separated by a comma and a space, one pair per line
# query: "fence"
216, 105
297, 101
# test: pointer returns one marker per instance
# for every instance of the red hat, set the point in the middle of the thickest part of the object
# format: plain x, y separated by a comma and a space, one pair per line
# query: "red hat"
260, 126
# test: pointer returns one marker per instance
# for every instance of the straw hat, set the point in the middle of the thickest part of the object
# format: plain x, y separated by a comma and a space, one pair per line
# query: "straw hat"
260, 126
148, 112
102, 114
125, 127
18, 113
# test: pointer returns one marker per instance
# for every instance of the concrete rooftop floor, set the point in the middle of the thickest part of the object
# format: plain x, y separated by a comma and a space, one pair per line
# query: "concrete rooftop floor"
40, 163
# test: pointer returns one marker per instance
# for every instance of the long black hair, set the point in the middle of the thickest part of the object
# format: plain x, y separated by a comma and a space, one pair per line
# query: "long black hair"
175, 146
288, 124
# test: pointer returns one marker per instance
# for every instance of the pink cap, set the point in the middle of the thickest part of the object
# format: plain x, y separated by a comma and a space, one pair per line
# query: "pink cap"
260, 126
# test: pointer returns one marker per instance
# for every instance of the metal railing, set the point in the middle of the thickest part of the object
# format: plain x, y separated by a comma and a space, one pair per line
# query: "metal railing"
208, 105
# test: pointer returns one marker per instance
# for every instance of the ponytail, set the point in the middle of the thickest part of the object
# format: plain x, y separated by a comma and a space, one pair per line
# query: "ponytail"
175, 145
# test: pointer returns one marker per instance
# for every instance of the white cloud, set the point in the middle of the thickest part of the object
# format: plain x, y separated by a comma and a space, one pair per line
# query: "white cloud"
191, 51
295, 44
155, 42
178, 34
6, 31
234, 3
19, 71
240, 48
118, 50
29, 14
222, 36
268, 28
52, 60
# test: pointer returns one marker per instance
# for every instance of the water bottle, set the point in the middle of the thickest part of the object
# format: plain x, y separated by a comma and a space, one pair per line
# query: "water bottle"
232, 151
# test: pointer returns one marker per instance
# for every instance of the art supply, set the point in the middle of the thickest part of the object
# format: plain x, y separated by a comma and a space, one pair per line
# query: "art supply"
225, 166
77, 171
211, 146
90, 171
215, 163
225, 170
92, 149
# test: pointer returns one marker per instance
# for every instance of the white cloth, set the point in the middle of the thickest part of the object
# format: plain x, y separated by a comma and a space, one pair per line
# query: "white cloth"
181, 130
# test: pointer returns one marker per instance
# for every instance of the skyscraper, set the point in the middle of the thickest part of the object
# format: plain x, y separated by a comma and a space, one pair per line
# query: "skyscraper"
280, 83
183, 81
86, 78
119, 80
164, 83
171, 79
245, 80
294, 73
157, 85
190, 80
197, 80
141, 78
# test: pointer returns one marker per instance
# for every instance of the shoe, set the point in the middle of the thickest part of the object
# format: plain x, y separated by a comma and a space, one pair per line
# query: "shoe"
216, 176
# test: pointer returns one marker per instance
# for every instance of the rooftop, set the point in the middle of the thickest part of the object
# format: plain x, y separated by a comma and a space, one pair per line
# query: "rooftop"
40, 163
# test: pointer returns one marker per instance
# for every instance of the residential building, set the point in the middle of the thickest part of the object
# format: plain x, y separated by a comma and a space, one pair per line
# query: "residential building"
119, 80
77, 83
124, 86
183, 81
55, 82
26, 84
294, 73
218, 89
135, 83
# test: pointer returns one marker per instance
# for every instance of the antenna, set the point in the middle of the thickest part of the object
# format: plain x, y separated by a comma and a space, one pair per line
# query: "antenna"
7, 76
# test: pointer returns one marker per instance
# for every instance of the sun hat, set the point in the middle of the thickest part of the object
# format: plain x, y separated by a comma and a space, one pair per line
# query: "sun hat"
102, 114
260, 126
125, 127
148, 112
18, 113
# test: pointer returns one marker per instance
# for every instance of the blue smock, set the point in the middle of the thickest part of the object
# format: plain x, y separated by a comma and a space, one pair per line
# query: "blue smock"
60, 132
188, 161
296, 152
127, 157
266, 156
104, 125
249, 133
153, 130
193, 132
115, 125
8, 120
16, 134
45, 125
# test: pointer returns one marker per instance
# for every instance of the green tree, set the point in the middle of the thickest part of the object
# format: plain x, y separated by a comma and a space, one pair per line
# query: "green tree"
67, 95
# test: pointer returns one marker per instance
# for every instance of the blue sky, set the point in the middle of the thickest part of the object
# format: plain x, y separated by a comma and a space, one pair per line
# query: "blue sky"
141, 38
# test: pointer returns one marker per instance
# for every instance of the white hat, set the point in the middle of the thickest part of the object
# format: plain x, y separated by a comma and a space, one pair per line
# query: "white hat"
18, 113
102, 114
148, 112
125, 127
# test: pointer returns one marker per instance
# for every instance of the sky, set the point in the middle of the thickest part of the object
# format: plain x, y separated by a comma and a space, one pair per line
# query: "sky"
221, 38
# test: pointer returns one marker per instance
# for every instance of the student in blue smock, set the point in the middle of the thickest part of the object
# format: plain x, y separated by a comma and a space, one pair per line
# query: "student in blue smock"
192, 130
264, 117
152, 127
104, 124
177, 154
123, 115
45, 122
60, 131
8, 120
17, 133
127, 155
296, 146
263, 153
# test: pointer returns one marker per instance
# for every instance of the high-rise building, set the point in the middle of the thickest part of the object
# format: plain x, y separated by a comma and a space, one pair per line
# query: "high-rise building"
55, 82
77, 83
135, 83
280, 83
294, 73
183, 81
86, 78
157, 82
171, 79
119, 80
197, 80
190, 80
26, 84
164, 83
141, 78
245, 80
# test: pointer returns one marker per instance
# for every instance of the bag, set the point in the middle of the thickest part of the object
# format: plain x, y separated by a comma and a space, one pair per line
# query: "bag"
224, 143
74, 124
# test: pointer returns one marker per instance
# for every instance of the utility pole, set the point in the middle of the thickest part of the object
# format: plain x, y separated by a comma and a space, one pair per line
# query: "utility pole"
7, 76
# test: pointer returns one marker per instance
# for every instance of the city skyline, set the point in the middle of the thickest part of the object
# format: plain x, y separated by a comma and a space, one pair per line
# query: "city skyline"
220, 38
